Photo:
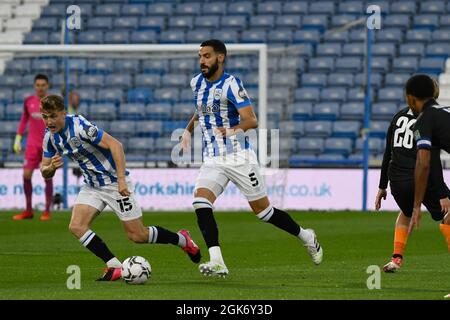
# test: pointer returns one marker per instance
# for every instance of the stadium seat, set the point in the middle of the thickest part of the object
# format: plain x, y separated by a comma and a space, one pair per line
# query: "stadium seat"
326, 111
353, 49
156, 23
318, 128
147, 36
379, 128
384, 110
141, 145
348, 64
431, 65
13, 112
228, 36
396, 79
351, 7
321, 64
346, 129
135, 9
132, 111
269, 7
310, 145
213, 8
352, 111
233, 22
403, 7
340, 79
183, 110
438, 50
288, 21
87, 95
301, 110
315, 22
12, 81
127, 65
167, 95
375, 79
160, 9
94, 81
338, 37
295, 7
103, 66
90, 37
375, 145
108, 10
126, 23
307, 94
334, 94
44, 65
280, 36
172, 36
338, 146
142, 95
254, 36
103, 111
390, 35
149, 128
241, 8
436, 7
21, 94
122, 129
425, 21
160, 111
356, 94
175, 80
329, 49
18, 66
181, 22
110, 95
306, 36
8, 128
148, 80
418, 35
262, 21
412, 49
117, 37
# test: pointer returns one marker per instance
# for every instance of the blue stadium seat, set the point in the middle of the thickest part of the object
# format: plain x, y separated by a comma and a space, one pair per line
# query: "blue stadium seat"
28, 80
164, 145
100, 23
183, 110
132, 111
122, 129
438, 50
291, 128
13, 111
352, 111
400, 21
36, 37
83, 109
412, 49
234, 22
340, 79
396, 79
280, 36
12, 81
103, 111
241, 8
418, 35
329, 49
209, 22
338, 146
172, 36
306, 36
5, 144
2, 111
375, 145
326, 111
139, 95
117, 37
141, 145
8, 128
431, 65
155, 65
301, 111
315, 22
380, 64
48, 66
87, 95
21, 94
110, 95
288, 21
135, 9
188, 9
175, 80
170, 126
356, 94
313, 79
149, 128
127, 65
269, 7
279, 94
379, 128
148, 80
160, 9
109, 10
442, 35
46, 24
318, 128
307, 94
187, 65
340, 20
393, 94
405, 64
281, 78
425, 21
293, 62
90, 37
353, 49
403, 7
128, 23
333, 94
103, 66
384, 110
181, 22
384, 49
262, 21
156, 23
18, 66
357, 35
213, 8
389, 35
92, 80
197, 36
444, 21
295, 7
321, 7
310, 145
159, 111
55, 10
348, 64
321, 64
254, 36
432, 7
241, 64
228, 36
287, 145
346, 129
351, 8
147, 36
167, 95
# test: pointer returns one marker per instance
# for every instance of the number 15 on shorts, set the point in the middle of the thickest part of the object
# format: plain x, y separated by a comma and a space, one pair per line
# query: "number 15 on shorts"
125, 204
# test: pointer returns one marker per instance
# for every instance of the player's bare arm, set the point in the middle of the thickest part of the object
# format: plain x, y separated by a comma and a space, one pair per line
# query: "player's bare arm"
186, 137
116, 148
421, 179
50, 165
248, 121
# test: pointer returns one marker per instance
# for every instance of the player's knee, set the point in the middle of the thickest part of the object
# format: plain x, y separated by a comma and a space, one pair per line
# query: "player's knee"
77, 229
202, 203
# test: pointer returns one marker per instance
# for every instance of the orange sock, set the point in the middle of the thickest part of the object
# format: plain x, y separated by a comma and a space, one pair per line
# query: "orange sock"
445, 229
400, 239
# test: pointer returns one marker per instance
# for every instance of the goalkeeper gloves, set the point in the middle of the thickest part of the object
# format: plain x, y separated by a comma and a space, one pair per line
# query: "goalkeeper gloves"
18, 144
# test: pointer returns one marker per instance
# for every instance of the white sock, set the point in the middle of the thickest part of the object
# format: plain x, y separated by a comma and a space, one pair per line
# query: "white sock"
216, 255
182, 242
305, 235
114, 263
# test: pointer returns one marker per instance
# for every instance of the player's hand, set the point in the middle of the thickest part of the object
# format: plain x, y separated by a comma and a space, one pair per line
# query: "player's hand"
186, 141
415, 220
57, 162
380, 195
17, 147
123, 187
445, 206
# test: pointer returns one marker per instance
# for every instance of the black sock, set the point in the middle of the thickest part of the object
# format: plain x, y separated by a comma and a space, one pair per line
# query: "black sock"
96, 245
208, 226
163, 236
284, 221
397, 256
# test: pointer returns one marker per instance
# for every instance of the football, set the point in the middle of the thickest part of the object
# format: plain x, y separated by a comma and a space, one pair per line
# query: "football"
136, 270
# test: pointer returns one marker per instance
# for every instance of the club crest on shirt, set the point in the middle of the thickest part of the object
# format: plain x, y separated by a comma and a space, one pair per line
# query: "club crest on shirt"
75, 142
91, 131
217, 93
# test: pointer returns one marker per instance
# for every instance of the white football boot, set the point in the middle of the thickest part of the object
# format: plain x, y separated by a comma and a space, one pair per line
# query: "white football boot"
213, 269
314, 248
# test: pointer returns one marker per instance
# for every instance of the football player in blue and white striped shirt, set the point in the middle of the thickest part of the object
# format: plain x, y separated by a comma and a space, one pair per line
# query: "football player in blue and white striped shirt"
102, 161
225, 112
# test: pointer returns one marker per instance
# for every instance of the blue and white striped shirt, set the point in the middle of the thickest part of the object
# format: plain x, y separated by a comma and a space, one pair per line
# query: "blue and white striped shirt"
217, 104
79, 141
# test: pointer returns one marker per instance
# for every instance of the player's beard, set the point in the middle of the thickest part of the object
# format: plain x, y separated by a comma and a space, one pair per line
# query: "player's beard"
211, 70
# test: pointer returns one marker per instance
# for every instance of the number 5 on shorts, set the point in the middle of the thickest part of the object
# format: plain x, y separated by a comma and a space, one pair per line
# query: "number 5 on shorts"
253, 179
124, 204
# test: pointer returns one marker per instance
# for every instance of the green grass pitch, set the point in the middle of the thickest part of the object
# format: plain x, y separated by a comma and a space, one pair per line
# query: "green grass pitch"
264, 262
